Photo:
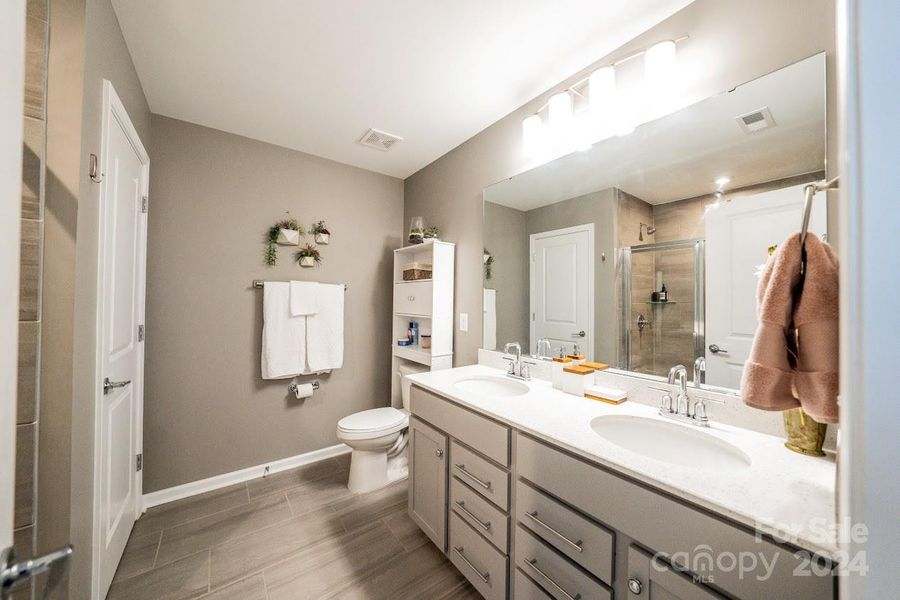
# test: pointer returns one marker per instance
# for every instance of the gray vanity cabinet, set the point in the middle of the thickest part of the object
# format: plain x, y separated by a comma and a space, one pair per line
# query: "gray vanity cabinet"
649, 580
428, 481
523, 518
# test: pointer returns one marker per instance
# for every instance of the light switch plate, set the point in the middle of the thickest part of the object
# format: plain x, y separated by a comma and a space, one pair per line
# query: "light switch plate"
463, 321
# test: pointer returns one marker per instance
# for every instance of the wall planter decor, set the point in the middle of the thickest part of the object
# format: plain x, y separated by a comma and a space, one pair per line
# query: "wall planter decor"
285, 232
308, 256
321, 233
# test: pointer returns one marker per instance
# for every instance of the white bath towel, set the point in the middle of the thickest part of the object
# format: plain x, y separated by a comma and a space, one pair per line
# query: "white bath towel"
489, 336
283, 336
304, 298
325, 330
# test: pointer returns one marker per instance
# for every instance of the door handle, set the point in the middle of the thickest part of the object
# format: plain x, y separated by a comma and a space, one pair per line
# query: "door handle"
714, 348
11, 572
579, 334
109, 386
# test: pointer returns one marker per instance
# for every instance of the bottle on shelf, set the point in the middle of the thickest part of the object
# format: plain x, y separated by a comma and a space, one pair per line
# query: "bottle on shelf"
663, 294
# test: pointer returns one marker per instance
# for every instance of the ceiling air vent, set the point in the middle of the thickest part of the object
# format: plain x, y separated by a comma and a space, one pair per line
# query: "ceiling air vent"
379, 140
756, 121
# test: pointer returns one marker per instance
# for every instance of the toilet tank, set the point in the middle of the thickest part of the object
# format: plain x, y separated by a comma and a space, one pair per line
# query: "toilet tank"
405, 370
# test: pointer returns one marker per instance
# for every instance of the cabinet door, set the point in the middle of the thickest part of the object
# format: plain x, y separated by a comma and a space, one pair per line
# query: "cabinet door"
428, 481
653, 580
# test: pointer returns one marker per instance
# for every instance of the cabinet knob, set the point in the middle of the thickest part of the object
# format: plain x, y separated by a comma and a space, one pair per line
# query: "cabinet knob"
635, 585
439, 453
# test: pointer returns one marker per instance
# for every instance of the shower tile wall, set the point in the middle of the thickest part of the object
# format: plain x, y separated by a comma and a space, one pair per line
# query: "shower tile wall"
34, 121
630, 213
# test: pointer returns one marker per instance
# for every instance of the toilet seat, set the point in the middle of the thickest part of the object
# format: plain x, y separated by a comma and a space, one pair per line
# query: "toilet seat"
372, 423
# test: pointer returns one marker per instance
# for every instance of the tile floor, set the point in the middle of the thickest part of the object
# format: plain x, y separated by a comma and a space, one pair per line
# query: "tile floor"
293, 535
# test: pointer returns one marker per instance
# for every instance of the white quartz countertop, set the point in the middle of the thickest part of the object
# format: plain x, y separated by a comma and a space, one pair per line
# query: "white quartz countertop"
782, 493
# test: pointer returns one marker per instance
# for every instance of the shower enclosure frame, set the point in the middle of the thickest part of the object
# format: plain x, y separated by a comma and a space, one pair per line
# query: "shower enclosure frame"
699, 334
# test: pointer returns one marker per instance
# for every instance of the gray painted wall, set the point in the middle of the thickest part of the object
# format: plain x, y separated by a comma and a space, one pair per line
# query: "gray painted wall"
213, 196
506, 240
731, 42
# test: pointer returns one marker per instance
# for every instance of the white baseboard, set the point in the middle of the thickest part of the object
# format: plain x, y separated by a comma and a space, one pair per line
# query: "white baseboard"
193, 488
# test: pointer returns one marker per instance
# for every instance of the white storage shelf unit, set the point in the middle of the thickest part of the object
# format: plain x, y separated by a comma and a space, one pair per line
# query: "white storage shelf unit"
429, 302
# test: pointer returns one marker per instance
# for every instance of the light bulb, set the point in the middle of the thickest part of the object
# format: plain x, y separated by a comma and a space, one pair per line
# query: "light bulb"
659, 62
560, 109
602, 88
532, 134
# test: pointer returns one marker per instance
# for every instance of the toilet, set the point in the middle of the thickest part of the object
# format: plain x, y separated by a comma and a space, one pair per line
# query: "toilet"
378, 438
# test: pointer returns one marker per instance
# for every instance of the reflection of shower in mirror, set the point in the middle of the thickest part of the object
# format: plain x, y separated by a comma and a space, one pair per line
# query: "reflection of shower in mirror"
650, 231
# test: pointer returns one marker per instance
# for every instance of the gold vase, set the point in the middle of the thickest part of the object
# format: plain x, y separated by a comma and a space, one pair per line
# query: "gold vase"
804, 435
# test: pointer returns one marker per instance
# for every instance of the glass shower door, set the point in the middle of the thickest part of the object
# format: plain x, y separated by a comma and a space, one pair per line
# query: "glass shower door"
660, 332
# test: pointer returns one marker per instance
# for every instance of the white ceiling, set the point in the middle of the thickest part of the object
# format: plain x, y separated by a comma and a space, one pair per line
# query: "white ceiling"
314, 75
681, 155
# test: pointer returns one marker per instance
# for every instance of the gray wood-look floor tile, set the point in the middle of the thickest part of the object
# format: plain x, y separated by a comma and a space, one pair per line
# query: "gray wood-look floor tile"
252, 588
218, 528
331, 544
406, 530
188, 509
425, 573
180, 580
362, 509
332, 564
286, 480
318, 494
139, 556
236, 559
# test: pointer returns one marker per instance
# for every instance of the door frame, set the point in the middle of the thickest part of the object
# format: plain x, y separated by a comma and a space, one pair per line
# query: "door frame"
12, 48
114, 109
589, 228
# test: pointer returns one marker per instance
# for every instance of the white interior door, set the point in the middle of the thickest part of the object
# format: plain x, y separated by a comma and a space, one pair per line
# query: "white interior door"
562, 288
738, 235
12, 49
122, 259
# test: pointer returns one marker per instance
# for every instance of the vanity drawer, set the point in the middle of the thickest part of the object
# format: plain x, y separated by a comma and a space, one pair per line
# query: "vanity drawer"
481, 475
526, 589
484, 517
482, 564
590, 545
413, 298
488, 437
557, 576
668, 526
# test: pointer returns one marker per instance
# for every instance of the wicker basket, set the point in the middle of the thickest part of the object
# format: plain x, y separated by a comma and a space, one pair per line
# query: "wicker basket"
415, 271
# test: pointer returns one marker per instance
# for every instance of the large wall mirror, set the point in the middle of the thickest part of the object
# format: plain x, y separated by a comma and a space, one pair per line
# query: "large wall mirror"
645, 249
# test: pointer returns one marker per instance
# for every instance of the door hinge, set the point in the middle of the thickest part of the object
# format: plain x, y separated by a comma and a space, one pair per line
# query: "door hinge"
145, 202
139, 462
140, 333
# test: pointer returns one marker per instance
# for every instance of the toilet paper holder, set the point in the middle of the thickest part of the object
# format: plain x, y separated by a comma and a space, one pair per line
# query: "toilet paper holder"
293, 387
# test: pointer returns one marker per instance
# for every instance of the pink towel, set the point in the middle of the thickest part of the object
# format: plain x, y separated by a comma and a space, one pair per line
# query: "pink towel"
794, 359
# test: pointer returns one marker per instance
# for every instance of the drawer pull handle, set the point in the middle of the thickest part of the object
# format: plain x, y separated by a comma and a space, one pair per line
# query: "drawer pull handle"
462, 469
532, 562
486, 525
575, 545
483, 576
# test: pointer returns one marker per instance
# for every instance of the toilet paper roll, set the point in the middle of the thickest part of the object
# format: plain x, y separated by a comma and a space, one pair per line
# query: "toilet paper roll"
303, 390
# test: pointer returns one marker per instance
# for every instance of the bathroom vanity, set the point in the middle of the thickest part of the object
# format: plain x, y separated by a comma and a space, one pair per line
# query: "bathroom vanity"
533, 493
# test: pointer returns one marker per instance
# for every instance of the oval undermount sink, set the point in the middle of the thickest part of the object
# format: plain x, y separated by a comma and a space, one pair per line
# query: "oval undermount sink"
487, 385
670, 442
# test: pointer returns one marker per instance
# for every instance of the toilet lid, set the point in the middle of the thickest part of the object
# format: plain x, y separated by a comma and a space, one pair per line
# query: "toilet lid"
374, 419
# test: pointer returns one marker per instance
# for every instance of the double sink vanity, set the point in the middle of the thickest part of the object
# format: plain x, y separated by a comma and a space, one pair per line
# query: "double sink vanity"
534, 493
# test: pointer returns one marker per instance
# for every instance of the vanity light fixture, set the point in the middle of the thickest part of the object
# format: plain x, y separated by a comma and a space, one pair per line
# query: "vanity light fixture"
611, 111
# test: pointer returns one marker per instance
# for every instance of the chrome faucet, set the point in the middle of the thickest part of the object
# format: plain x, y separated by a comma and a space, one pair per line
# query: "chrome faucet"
681, 409
699, 371
518, 368
544, 348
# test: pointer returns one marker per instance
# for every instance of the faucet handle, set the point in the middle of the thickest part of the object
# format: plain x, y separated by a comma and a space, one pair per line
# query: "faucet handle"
665, 401
700, 413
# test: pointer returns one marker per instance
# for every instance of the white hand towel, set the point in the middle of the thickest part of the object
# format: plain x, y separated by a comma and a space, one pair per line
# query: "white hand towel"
283, 336
304, 298
325, 330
